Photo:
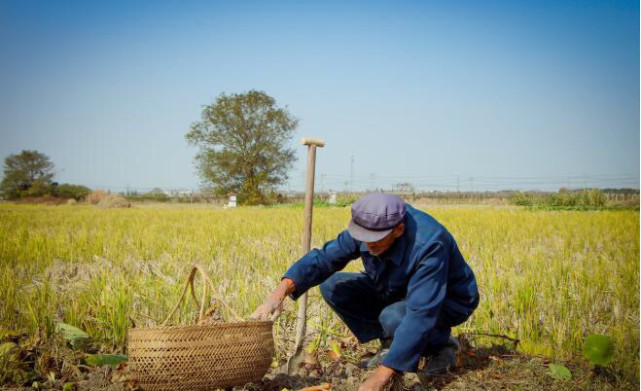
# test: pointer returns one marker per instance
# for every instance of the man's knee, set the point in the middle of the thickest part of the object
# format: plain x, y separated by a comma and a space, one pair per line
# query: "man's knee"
391, 317
345, 289
328, 287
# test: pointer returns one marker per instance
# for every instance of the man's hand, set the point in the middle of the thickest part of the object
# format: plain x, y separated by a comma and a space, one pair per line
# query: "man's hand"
271, 306
378, 380
273, 303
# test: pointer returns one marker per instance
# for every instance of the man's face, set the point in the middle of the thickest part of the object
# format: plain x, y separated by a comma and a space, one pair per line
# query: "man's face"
379, 247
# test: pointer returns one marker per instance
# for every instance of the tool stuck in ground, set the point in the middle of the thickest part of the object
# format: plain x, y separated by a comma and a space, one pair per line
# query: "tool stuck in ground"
296, 358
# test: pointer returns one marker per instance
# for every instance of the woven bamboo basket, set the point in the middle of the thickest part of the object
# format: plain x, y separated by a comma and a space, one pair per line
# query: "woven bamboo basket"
201, 357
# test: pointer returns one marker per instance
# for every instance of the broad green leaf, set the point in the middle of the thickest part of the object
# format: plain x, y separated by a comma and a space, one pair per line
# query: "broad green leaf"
336, 348
74, 335
68, 387
598, 349
99, 360
559, 372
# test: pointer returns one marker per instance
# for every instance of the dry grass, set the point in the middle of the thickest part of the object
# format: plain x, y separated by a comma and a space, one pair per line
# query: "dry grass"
96, 196
547, 277
113, 201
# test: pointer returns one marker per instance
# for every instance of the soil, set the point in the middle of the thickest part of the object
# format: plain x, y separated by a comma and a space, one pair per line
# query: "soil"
497, 367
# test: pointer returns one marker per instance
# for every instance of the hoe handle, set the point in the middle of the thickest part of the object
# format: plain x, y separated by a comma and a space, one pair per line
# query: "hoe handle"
301, 317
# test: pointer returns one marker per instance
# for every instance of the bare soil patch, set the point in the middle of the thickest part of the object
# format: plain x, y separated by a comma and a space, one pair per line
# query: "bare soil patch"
496, 367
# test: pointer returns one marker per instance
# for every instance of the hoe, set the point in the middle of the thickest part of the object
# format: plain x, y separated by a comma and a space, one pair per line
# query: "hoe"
301, 318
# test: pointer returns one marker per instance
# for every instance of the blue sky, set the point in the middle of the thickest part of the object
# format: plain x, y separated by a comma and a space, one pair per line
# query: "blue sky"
441, 94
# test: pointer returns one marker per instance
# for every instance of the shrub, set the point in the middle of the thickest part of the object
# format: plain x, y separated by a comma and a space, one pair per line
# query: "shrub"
584, 198
69, 191
38, 188
156, 195
592, 197
522, 199
45, 200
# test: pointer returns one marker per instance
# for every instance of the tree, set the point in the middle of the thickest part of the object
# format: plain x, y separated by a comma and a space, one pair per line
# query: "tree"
29, 173
243, 145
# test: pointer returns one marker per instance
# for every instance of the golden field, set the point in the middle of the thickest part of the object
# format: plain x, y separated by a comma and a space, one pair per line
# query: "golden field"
548, 278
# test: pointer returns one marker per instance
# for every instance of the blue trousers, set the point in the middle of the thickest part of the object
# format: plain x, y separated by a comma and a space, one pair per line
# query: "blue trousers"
354, 299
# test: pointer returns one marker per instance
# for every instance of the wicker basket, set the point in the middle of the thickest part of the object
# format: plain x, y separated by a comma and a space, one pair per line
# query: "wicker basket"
199, 357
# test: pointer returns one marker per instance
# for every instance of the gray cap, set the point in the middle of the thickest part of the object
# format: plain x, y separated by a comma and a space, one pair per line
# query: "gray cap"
375, 215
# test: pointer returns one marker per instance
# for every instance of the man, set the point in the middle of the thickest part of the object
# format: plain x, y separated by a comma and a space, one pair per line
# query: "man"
416, 286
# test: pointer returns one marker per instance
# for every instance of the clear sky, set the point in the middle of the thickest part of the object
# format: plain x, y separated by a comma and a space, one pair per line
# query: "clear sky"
474, 94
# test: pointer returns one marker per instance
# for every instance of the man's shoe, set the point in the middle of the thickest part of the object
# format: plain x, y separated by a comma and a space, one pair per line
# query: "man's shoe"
377, 359
443, 360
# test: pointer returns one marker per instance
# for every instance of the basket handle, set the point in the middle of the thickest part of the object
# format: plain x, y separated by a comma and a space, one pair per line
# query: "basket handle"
207, 283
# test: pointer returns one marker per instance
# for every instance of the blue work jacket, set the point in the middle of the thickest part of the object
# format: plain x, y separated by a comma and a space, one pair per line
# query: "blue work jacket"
424, 267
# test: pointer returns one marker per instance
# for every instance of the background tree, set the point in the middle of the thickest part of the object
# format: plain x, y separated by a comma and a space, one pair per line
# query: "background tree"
29, 173
243, 145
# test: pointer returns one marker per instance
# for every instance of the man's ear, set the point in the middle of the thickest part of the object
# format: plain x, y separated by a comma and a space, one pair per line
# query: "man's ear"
399, 230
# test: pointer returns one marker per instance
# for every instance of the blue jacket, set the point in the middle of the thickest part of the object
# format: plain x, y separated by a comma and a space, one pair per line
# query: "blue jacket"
424, 267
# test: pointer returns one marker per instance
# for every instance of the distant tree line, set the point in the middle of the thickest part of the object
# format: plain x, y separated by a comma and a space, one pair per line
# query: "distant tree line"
30, 174
155, 195
588, 198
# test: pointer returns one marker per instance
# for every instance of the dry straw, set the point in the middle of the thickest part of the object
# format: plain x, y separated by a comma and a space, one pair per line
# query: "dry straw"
203, 356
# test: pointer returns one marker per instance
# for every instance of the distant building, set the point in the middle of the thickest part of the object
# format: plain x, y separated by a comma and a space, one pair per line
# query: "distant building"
182, 193
232, 200
332, 197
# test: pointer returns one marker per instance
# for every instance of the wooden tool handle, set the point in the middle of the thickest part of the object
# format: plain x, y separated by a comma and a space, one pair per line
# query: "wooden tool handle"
311, 141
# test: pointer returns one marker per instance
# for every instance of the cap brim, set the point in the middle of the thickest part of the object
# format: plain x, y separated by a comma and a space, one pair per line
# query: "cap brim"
366, 235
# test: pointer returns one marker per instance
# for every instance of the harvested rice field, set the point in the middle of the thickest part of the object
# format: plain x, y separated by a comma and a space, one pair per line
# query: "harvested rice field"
547, 279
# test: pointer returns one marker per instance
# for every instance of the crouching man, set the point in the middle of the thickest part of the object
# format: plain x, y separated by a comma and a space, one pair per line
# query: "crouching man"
416, 286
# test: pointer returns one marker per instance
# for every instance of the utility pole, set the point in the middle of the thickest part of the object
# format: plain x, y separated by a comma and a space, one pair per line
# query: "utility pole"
458, 183
351, 175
